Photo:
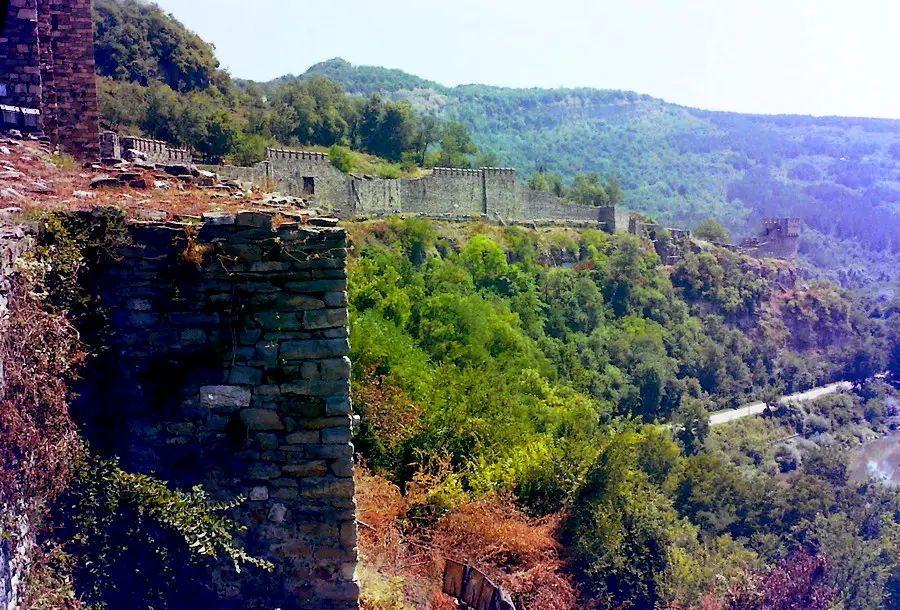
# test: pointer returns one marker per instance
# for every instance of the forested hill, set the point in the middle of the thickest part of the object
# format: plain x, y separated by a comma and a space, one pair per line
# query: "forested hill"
680, 165
841, 175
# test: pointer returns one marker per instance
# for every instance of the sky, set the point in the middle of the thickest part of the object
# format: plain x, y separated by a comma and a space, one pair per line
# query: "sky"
819, 57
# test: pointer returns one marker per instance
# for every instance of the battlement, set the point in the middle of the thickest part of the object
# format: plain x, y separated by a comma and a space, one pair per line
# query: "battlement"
789, 227
455, 171
296, 155
155, 151
505, 172
779, 238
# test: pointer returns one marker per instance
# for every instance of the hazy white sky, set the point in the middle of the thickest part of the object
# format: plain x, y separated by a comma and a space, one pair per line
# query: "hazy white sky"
769, 56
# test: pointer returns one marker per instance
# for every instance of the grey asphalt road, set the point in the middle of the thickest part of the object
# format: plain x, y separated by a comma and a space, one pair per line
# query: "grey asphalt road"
756, 408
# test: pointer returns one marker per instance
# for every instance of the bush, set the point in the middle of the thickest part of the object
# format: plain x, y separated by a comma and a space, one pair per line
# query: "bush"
119, 527
341, 158
710, 230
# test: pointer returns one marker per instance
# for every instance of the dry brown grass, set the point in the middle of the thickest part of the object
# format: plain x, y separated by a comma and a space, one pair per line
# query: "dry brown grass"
519, 554
36, 164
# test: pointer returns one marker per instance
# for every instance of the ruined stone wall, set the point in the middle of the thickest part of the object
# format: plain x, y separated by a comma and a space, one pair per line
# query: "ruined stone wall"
780, 238
258, 175
502, 198
20, 73
375, 196
232, 372
47, 64
70, 107
154, 151
447, 192
542, 205
291, 172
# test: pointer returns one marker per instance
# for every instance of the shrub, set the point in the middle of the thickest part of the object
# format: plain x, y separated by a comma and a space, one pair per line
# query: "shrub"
341, 158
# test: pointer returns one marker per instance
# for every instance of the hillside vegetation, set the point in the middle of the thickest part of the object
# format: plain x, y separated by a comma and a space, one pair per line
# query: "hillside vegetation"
508, 382
161, 80
681, 165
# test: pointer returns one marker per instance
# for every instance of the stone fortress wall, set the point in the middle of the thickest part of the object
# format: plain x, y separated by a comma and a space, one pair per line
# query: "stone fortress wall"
232, 373
47, 73
493, 193
113, 148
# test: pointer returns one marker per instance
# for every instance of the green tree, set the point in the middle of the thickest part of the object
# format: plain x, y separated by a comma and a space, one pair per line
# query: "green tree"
428, 132
710, 230
341, 158
456, 146
488, 158
614, 193
537, 182
587, 189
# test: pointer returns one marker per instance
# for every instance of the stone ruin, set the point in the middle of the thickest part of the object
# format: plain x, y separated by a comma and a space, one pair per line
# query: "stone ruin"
488, 193
230, 370
779, 238
668, 242
47, 73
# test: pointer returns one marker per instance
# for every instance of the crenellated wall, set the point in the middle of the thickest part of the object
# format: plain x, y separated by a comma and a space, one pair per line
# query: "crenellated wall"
779, 238
492, 193
154, 151
232, 372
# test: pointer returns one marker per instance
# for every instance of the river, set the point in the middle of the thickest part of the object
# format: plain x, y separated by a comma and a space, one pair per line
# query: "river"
878, 459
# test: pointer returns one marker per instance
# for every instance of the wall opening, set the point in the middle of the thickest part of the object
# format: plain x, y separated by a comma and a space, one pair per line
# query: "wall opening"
309, 185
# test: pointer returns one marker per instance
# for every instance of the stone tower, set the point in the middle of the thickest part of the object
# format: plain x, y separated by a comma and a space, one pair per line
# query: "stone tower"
47, 67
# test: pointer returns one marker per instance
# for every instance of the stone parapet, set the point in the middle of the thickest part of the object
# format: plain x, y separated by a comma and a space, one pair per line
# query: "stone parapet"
227, 367
155, 151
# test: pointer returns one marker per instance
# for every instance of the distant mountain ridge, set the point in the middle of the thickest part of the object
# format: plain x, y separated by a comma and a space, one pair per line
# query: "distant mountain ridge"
678, 164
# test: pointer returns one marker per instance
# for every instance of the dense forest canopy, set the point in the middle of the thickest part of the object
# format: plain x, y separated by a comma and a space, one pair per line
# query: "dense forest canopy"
488, 351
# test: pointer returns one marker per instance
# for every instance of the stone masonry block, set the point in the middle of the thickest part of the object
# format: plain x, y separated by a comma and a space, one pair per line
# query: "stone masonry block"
303, 437
325, 318
245, 375
278, 321
317, 387
261, 419
335, 436
337, 405
316, 468
326, 487
314, 349
335, 368
224, 396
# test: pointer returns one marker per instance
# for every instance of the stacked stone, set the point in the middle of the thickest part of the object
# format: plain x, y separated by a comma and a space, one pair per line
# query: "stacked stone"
72, 108
154, 151
20, 73
227, 366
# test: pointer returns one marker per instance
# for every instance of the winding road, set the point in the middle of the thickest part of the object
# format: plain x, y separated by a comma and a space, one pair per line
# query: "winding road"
755, 408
